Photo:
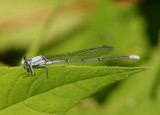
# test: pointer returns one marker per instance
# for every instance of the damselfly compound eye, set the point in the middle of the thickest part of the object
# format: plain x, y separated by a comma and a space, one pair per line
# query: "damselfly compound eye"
24, 61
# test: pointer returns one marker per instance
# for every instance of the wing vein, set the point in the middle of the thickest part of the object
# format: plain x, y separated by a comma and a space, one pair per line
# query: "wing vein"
82, 54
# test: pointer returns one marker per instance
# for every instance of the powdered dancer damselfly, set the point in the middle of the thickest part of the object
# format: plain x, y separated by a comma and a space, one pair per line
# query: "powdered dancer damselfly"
78, 56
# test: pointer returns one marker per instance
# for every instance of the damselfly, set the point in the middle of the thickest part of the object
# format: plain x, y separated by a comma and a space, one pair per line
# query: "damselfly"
78, 56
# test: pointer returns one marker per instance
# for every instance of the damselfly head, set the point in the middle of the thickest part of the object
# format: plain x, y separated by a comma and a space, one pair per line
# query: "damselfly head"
24, 61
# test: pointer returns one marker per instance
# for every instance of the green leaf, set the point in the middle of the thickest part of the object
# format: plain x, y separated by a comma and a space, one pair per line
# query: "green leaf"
65, 87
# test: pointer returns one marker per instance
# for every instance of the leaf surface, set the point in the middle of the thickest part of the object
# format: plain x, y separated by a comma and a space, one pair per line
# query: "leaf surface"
65, 87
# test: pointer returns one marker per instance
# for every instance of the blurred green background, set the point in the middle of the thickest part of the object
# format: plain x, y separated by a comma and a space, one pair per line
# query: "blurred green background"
35, 27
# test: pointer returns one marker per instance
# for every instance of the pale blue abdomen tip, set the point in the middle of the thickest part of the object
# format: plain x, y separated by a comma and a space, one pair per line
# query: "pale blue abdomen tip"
134, 57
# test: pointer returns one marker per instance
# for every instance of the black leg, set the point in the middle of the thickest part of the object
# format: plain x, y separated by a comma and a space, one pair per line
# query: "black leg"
44, 66
30, 72
31, 68
27, 74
